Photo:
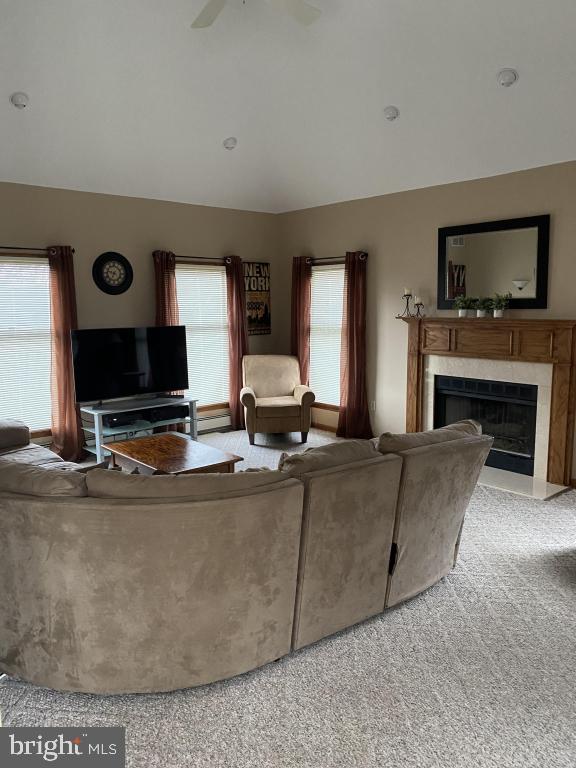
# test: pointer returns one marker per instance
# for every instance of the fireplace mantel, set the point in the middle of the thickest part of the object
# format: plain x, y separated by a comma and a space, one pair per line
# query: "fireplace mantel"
533, 341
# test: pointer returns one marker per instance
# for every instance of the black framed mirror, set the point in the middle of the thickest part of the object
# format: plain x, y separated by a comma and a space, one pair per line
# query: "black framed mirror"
508, 256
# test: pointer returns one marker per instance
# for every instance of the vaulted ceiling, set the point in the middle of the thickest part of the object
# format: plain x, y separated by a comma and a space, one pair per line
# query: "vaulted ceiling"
126, 98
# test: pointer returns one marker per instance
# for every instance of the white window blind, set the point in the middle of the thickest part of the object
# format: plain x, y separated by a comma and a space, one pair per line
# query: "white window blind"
202, 303
326, 332
25, 341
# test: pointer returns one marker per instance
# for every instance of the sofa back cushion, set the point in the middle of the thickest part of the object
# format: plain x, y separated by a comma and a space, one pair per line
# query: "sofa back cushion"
436, 486
38, 481
326, 456
271, 375
390, 443
13, 434
120, 485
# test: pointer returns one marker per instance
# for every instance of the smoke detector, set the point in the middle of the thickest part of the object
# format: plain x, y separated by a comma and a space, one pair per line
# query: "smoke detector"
19, 100
230, 143
391, 113
507, 77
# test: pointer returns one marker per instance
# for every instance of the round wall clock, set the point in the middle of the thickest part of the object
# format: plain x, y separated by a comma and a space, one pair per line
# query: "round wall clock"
112, 272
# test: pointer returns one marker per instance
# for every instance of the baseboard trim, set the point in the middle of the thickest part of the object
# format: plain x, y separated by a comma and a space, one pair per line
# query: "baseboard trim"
325, 427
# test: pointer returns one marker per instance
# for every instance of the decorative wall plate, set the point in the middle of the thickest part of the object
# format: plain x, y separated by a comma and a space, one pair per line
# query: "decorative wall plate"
112, 273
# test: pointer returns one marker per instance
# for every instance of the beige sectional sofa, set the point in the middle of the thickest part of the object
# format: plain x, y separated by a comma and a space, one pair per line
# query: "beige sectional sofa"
116, 583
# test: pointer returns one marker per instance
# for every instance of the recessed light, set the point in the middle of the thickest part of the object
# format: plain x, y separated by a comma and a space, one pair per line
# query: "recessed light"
19, 100
391, 113
507, 77
230, 143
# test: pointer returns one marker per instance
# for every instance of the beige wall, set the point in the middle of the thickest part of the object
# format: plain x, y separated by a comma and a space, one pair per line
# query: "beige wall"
93, 223
399, 232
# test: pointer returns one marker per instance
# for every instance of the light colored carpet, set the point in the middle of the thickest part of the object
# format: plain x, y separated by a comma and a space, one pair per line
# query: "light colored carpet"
268, 448
478, 672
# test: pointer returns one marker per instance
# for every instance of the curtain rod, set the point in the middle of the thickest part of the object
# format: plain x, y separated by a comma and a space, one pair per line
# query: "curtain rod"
215, 260
333, 259
20, 248
327, 260
11, 249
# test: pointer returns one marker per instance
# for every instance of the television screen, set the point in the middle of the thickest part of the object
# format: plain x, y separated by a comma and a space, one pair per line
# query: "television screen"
123, 362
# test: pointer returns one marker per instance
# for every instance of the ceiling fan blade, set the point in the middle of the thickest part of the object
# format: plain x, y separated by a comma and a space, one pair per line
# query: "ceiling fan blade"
208, 14
298, 9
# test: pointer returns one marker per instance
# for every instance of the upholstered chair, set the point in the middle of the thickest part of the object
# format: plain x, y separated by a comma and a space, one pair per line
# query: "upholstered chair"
274, 400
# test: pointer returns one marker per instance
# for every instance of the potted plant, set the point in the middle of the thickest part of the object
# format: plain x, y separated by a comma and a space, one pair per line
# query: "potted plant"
463, 304
483, 306
500, 303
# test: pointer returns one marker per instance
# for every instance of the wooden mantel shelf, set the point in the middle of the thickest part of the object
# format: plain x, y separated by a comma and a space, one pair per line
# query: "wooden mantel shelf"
531, 341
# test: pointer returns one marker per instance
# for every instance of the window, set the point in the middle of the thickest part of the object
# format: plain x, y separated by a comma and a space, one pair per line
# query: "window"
203, 308
326, 332
25, 341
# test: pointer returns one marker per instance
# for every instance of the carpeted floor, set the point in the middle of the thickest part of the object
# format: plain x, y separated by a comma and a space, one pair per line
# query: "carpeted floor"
268, 448
477, 672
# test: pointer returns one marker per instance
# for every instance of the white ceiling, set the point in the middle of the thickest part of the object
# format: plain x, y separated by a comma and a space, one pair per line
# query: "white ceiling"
125, 98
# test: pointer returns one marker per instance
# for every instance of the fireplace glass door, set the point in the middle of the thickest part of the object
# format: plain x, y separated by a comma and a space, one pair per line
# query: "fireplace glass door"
506, 410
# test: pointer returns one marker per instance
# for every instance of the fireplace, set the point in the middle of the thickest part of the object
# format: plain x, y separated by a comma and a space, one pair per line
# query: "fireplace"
506, 410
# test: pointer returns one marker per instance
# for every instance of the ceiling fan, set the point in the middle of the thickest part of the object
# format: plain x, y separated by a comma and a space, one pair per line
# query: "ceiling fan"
298, 9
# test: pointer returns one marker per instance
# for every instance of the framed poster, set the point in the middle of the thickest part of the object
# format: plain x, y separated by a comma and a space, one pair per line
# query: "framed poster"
257, 287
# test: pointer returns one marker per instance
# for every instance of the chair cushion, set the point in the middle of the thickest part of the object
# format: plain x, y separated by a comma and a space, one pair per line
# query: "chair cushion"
390, 443
13, 434
269, 407
40, 481
326, 456
31, 454
120, 485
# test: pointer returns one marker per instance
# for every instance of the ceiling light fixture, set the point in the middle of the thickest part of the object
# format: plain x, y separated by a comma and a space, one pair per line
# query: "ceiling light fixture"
230, 143
391, 113
507, 77
19, 100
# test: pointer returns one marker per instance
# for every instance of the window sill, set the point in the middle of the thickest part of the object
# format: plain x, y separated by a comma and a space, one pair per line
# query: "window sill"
326, 407
213, 407
40, 433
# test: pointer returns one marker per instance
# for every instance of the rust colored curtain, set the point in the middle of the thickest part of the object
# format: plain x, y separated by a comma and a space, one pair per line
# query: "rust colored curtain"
353, 418
166, 296
67, 435
300, 316
237, 336
166, 307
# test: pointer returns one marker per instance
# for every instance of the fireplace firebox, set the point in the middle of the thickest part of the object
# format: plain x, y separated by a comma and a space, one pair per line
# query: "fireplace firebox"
506, 410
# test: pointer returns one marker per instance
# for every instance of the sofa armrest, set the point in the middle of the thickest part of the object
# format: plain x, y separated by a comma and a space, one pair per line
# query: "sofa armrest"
304, 395
13, 434
247, 397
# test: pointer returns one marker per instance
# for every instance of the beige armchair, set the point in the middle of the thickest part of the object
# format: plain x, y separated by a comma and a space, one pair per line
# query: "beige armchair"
274, 400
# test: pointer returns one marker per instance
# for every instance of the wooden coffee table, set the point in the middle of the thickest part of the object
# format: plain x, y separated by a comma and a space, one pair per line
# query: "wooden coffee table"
169, 453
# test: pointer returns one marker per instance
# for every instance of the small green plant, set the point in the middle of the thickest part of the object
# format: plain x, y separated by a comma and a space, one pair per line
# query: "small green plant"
464, 302
484, 304
501, 300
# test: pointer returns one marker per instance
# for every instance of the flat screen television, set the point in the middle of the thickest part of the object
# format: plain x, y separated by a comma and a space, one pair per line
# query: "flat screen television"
114, 363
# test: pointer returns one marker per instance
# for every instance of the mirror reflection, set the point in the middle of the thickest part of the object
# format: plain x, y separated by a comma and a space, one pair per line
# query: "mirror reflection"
486, 263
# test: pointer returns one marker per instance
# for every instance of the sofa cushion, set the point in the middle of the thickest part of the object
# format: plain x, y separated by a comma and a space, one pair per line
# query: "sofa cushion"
13, 434
31, 454
390, 443
326, 456
273, 407
121, 485
39, 481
